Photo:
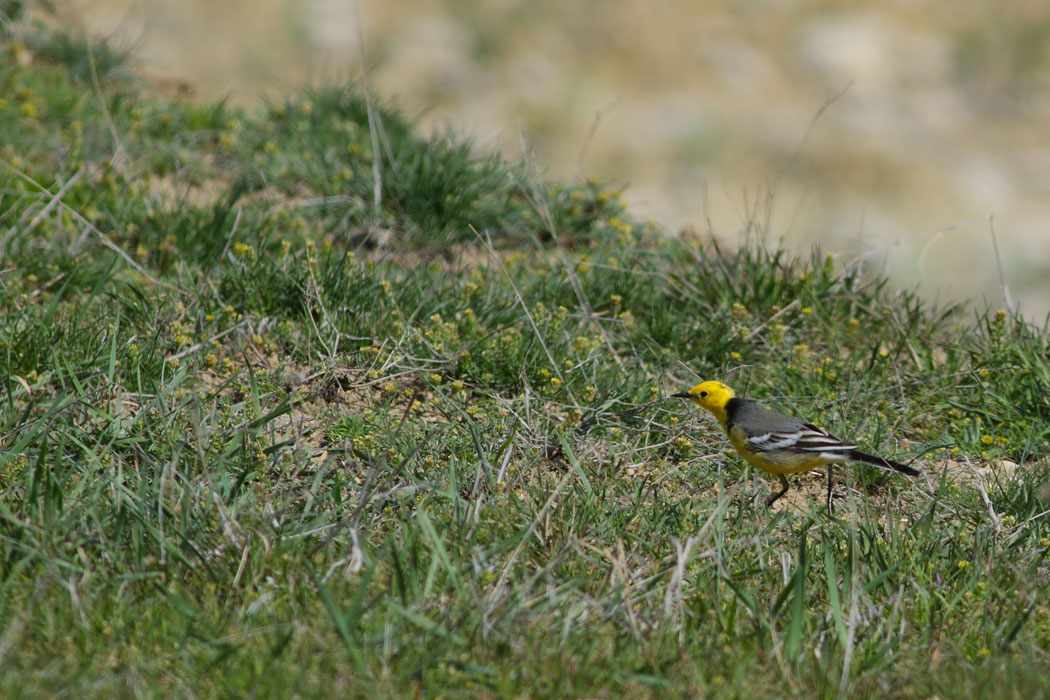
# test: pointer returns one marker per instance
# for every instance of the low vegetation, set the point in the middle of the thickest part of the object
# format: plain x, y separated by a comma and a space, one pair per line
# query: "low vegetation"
299, 401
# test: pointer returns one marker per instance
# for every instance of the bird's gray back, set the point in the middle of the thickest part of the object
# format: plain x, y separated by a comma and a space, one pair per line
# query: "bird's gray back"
745, 414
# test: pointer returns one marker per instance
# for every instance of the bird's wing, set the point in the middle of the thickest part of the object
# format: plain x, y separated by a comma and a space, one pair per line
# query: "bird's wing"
805, 438
771, 431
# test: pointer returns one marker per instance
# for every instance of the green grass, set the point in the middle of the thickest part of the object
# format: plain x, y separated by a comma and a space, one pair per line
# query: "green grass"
271, 426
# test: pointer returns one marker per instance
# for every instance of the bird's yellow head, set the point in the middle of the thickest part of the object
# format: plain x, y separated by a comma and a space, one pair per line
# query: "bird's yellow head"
712, 396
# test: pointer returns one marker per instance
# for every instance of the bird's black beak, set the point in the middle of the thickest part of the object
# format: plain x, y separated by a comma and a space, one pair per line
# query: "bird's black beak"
682, 395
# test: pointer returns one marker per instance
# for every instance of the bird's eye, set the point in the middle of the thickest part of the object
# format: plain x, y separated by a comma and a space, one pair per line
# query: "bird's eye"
703, 394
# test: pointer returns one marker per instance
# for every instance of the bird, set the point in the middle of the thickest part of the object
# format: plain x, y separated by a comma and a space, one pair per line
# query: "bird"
776, 442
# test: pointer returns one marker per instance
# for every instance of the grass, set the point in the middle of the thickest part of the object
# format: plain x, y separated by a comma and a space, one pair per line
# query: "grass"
299, 402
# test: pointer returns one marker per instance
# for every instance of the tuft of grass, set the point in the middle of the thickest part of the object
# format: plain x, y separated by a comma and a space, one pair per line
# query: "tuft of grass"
264, 430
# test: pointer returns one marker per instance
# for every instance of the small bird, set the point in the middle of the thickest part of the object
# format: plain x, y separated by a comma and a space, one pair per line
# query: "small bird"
776, 442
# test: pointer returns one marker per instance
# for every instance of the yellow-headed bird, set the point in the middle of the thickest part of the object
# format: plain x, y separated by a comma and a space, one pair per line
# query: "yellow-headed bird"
776, 442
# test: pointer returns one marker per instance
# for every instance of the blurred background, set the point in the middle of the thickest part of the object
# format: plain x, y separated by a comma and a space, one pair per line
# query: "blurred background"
893, 133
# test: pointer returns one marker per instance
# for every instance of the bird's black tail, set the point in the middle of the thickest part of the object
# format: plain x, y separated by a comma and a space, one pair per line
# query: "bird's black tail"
881, 462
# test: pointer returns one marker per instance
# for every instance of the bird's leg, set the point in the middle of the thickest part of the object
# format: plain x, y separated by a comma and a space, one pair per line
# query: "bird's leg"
781, 492
831, 507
